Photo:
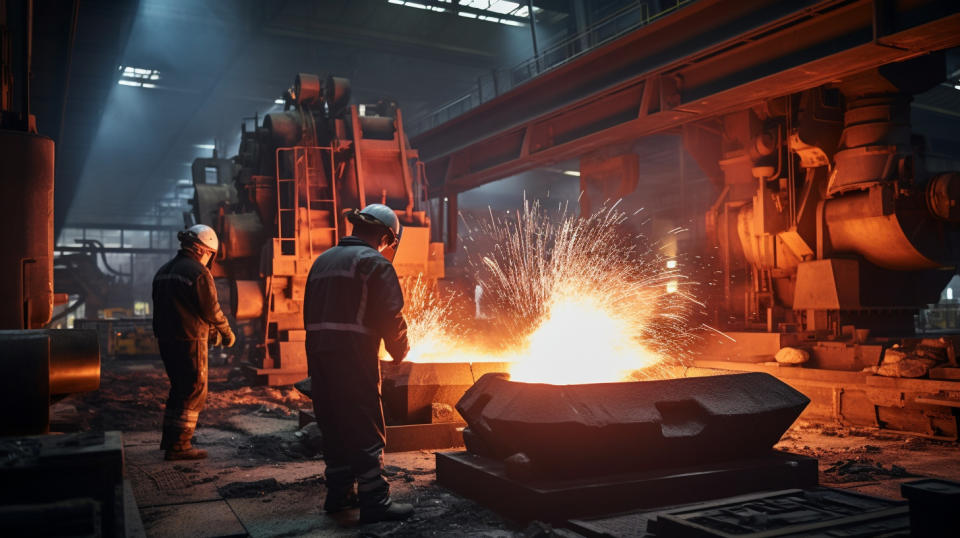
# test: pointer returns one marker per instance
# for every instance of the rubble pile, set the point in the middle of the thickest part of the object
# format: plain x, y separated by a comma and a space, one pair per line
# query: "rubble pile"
915, 359
863, 469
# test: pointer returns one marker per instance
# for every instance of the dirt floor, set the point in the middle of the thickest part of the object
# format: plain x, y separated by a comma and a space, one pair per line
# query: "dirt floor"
263, 479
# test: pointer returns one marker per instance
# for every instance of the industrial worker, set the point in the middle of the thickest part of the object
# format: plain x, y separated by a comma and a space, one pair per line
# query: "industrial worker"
352, 302
186, 313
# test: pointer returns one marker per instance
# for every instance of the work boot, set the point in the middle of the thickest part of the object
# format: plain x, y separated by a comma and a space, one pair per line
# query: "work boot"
393, 511
340, 502
176, 454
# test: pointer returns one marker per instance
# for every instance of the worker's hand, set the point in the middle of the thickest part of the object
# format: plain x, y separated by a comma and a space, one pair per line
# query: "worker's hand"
402, 355
230, 338
217, 339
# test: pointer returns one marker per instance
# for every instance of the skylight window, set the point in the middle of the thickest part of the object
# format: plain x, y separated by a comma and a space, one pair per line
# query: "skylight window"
138, 77
496, 9
418, 5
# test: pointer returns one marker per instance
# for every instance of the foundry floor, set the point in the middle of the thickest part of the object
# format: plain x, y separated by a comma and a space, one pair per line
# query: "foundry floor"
261, 481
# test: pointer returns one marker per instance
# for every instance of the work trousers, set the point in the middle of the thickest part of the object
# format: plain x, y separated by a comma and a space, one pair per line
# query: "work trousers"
346, 399
186, 365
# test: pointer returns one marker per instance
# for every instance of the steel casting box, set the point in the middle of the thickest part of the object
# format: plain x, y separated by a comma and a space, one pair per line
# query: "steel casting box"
592, 429
410, 388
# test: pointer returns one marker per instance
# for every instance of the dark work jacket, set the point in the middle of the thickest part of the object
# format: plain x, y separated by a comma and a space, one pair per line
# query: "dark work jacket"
353, 295
185, 304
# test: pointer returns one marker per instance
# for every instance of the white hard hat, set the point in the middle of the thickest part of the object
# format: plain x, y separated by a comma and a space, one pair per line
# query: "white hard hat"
383, 215
202, 234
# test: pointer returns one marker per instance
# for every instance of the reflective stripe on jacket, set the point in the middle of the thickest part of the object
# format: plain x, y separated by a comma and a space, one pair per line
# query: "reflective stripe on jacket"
353, 288
185, 304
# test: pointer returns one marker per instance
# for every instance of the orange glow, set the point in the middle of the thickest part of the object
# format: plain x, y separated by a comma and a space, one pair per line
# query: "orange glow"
441, 348
580, 342
566, 301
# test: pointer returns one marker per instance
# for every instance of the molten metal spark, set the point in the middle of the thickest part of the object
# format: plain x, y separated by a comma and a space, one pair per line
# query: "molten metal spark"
572, 300
434, 333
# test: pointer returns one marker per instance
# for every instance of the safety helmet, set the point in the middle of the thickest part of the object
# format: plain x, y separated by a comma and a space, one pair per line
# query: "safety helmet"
385, 216
200, 234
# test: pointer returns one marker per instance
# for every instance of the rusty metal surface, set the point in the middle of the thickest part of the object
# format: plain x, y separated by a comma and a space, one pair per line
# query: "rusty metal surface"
26, 209
578, 430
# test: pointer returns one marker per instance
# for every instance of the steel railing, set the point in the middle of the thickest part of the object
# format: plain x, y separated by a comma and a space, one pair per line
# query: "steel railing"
502, 80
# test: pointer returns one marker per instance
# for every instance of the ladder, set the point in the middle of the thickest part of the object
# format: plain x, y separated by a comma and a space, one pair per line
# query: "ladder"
307, 176
320, 196
288, 200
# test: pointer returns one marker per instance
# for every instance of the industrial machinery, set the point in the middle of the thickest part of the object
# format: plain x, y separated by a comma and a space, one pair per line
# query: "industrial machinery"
80, 274
827, 218
38, 366
831, 235
281, 201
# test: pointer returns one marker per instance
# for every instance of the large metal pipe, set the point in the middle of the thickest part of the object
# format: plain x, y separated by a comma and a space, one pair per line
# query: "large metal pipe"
38, 366
27, 59
74, 361
885, 232
26, 207
247, 299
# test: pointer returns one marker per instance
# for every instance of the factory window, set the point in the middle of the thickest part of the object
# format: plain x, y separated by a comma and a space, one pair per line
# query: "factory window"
141, 308
210, 175
500, 11
138, 76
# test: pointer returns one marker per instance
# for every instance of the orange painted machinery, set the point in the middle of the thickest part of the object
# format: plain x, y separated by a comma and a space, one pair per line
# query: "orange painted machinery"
281, 201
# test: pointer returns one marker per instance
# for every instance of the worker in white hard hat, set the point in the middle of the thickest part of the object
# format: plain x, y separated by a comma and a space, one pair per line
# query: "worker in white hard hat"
186, 312
352, 302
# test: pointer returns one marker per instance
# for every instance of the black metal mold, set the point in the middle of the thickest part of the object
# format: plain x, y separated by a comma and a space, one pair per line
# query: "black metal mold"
586, 430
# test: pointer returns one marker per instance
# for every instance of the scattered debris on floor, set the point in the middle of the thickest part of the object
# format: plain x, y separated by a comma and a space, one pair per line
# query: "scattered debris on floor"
257, 488
864, 470
264, 476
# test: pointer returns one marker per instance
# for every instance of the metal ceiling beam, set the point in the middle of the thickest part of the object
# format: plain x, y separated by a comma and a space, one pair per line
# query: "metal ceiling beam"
116, 250
709, 58
124, 226
370, 39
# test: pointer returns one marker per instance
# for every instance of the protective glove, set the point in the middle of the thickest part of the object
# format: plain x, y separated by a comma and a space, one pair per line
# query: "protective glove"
216, 339
230, 338
403, 355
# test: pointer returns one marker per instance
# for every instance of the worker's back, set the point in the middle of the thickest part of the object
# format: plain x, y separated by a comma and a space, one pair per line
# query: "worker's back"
353, 294
177, 310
